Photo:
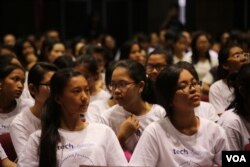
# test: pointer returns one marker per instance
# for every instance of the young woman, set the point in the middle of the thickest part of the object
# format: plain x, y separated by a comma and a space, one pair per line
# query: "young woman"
11, 86
203, 58
231, 58
65, 140
182, 138
133, 51
205, 109
26, 53
236, 120
97, 107
132, 114
156, 61
52, 50
28, 121
87, 65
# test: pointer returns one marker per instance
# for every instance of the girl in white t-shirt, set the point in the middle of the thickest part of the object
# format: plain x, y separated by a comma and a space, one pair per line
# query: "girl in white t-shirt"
97, 107
12, 78
88, 66
231, 58
182, 138
65, 140
132, 113
28, 120
236, 121
205, 109
11, 86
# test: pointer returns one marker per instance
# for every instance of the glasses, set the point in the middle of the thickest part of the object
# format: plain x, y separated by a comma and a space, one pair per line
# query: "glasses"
121, 85
158, 67
240, 55
185, 87
44, 84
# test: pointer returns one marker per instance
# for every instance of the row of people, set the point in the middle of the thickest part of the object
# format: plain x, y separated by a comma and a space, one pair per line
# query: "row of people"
131, 73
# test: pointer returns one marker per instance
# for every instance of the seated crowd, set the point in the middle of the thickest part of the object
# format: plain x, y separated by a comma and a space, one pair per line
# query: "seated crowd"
169, 102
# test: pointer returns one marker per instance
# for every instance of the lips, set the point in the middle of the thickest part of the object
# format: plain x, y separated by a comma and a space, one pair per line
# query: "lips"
18, 93
195, 97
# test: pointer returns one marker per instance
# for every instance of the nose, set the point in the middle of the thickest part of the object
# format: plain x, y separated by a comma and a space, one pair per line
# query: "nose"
84, 96
20, 85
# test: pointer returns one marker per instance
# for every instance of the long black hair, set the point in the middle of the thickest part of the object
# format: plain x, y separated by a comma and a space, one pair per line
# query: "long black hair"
241, 90
195, 55
223, 56
51, 118
166, 86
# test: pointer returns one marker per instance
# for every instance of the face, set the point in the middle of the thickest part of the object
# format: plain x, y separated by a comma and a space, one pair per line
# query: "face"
237, 57
99, 57
110, 42
57, 51
43, 91
187, 95
154, 39
9, 40
187, 36
180, 45
202, 44
78, 47
135, 52
75, 97
91, 79
155, 64
12, 85
28, 48
123, 88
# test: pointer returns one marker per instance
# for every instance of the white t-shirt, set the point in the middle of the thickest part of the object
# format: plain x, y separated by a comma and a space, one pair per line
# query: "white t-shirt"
220, 96
21, 128
95, 110
115, 115
203, 67
6, 118
94, 145
237, 130
102, 95
186, 57
162, 144
2, 153
207, 111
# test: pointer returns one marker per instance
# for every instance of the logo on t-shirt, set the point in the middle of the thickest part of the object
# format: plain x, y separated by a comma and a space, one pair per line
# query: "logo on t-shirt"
189, 164
76, 159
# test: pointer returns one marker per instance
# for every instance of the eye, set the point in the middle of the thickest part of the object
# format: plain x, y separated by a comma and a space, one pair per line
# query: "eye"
183, 85
122, 84
16, 78
86, 90
77, 90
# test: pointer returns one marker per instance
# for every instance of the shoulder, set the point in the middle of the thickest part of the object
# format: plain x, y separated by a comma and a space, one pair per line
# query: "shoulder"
100, 129
21, 118
114, 110
156, 127
229, 118
211, 130
218, 84
158, 110
35, 137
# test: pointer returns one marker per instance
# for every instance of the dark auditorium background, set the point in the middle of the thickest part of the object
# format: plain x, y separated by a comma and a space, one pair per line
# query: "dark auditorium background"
122, 18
